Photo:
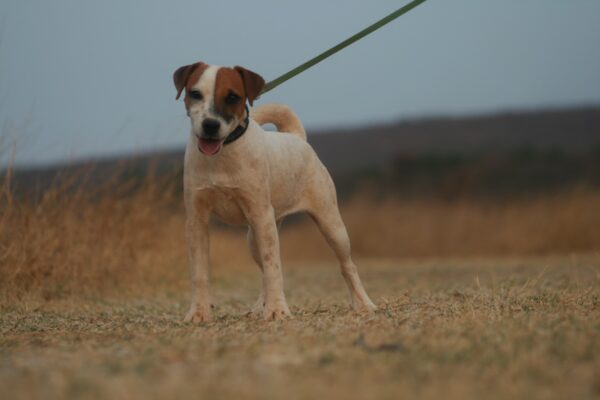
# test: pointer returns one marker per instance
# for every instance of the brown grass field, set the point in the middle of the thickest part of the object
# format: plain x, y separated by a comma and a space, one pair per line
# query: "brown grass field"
478, 299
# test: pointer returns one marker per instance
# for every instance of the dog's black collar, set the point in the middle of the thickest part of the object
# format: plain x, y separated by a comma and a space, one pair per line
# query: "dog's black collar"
239, 131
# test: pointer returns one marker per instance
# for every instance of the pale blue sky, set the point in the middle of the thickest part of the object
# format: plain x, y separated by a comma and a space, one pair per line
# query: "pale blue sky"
81, 78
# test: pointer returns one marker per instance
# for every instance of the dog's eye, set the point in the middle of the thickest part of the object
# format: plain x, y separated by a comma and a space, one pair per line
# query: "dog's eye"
232, 98
196, 95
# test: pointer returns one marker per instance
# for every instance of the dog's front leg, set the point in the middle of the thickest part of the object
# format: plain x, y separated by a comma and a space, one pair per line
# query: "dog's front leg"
197, 236
264, 227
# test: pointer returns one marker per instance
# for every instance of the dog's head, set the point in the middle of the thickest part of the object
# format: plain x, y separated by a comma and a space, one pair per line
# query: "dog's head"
215, 99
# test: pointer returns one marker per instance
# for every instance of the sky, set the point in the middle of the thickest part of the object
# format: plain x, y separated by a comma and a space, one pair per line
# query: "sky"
83, 79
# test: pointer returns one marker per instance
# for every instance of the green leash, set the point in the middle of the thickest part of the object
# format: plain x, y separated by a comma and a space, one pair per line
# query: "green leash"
301, 68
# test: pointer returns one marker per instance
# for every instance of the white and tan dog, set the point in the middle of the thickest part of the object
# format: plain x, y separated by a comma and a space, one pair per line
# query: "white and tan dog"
247, 176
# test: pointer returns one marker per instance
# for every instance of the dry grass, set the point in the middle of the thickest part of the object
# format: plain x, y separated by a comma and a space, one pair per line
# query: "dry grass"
118, 234
93, 285
69, 237
562, 223
556, 224
512, 329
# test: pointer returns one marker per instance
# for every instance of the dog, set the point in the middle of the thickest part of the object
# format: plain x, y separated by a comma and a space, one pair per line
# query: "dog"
246, 176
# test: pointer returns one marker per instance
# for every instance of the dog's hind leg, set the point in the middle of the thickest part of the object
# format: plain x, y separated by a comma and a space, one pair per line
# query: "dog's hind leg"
327, 216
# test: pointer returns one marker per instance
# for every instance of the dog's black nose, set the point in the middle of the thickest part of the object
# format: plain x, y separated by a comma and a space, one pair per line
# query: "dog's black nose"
210, 126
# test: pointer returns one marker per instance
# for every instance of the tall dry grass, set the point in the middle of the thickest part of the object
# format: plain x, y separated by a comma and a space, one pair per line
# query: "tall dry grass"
75, 238
554, 223
428, 227
79, 236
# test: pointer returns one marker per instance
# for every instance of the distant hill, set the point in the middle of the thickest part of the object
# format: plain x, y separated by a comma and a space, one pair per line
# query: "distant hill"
566, 131
350, 151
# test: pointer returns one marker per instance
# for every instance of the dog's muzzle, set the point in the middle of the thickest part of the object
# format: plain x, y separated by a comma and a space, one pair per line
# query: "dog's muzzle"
209, 142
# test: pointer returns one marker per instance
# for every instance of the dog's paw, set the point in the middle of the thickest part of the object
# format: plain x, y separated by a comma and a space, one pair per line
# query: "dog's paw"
196, 316
259, 306
276, 312
364, 307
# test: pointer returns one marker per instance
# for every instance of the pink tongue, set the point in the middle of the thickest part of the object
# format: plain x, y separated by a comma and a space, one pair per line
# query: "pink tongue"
209, 147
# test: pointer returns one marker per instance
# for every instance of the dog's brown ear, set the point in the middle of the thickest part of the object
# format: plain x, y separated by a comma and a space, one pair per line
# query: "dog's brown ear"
253, 83
180, 77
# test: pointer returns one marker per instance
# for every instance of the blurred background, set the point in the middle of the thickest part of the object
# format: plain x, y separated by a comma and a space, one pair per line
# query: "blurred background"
464, 128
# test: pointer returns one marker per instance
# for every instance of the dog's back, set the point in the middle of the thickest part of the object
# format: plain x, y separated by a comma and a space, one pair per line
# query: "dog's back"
280, 115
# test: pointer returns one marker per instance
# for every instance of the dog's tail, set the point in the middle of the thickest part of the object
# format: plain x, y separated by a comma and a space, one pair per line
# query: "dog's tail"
280, 115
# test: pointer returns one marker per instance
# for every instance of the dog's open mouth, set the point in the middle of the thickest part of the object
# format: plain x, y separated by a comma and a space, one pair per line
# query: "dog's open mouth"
209, 147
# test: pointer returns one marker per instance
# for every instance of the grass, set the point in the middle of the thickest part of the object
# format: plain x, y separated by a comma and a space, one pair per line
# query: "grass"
493, 299
121, 234
477, 328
